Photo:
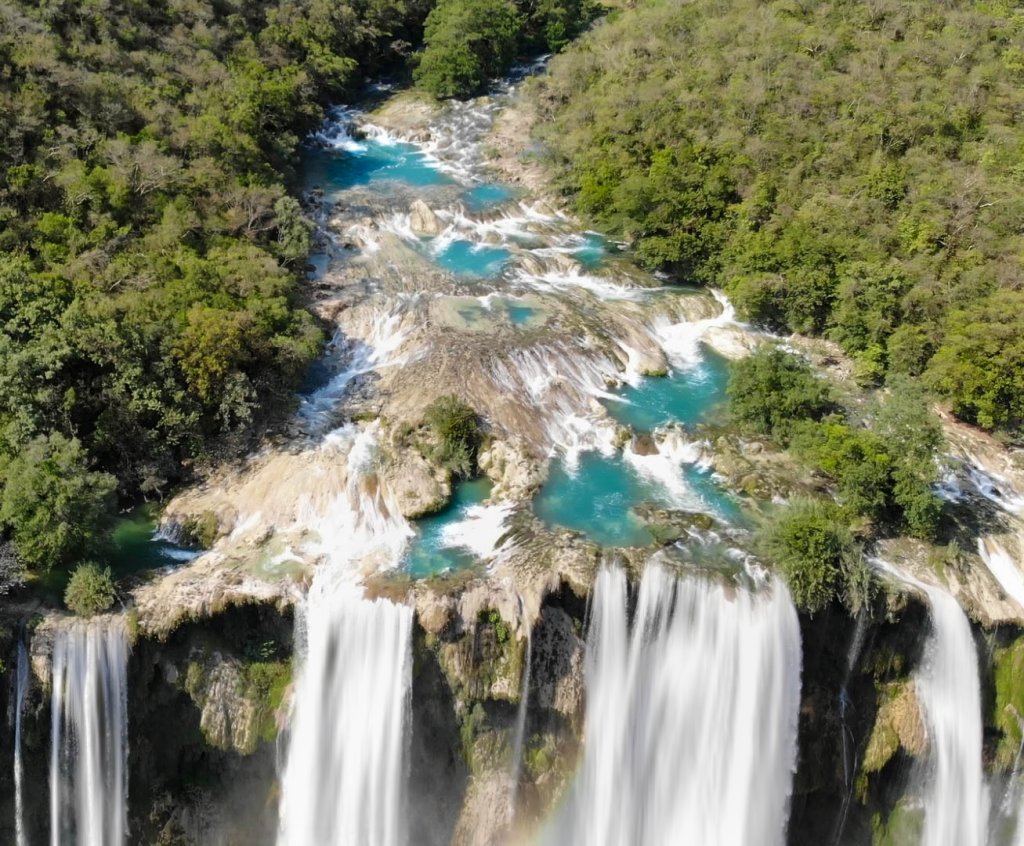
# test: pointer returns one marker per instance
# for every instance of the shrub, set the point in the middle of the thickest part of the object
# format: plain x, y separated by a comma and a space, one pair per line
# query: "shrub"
814, 551
772, 390
90, 590
457, 430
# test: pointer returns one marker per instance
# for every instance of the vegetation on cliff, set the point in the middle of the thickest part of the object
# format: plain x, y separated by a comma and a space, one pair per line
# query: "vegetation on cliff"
846, 169
149, 251
879, 459
90, 590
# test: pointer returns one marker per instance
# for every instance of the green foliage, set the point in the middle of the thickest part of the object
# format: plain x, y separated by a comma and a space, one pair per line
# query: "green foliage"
773, 390
90, 590
811, 545
845, 169
467, 43
202, 530
457, 430
981, 365
266, 683
1008, 717
55, 508
500, 627
150, 256
884, 472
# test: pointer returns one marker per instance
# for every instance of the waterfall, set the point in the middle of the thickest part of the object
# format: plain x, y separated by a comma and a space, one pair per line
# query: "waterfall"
1002, 566
691, 716
89, 734
21, 682
955, 800
345, 777
520, 730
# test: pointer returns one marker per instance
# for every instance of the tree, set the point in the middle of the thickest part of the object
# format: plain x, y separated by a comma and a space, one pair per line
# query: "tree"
980, 365
457, 430
467, 43
55, 508
90, 590
811, 545
772, 390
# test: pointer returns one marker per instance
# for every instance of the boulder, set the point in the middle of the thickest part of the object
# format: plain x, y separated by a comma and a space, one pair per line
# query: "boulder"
422, 219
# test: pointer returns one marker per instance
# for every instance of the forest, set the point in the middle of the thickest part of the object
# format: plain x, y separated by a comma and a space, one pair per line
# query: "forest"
150, 250
845, 169
152, 243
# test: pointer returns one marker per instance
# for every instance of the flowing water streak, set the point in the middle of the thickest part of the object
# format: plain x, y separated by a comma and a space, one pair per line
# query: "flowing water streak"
520, 730
89, 738
691, 716
955, 800
21, 682
345, 777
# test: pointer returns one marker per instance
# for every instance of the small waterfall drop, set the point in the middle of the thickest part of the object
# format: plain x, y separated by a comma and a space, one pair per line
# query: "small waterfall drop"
691, 717
89, 734
955, 801
21, 688
955, 797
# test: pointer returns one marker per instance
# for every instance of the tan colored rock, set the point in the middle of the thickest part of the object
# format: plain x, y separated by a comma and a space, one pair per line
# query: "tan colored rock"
899, 724
515, 472
422, 219
418, 487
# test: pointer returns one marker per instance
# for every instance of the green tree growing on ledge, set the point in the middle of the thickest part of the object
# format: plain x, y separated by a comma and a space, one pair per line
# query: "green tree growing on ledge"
467, 43
772, 390
90, 590
457, 430
814, 550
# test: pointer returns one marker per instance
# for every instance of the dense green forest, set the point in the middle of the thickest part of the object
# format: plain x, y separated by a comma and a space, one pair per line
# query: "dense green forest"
846, 168
149, 250
469, 42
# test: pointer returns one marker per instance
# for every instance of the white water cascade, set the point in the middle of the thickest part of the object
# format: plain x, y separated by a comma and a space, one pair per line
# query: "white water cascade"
955, 796
344, 782
21, 688
345, 776
691, 734
955, 801
89, 735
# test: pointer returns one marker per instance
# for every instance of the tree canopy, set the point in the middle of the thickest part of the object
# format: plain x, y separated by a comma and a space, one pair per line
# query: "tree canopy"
150, 253
850, 169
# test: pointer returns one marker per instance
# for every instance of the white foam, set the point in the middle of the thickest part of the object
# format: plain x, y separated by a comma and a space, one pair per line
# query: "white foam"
479, 530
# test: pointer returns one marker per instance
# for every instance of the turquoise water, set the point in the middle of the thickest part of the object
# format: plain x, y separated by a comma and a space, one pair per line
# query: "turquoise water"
592, 251
520, 315
135, 548
428, 556
336, 170
684, 397
477, 314
597, 499
319, 263
465, 258
487, 196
